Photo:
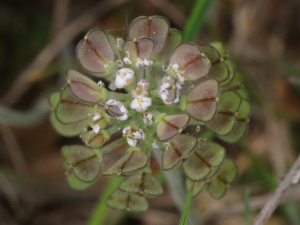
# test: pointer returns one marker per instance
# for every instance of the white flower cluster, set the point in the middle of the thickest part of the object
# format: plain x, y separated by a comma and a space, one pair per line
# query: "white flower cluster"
133, 136
169, 90
141, 100
175, 67
124, 77
139, 62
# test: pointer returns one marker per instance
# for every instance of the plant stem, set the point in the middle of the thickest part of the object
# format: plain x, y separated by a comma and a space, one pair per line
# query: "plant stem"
100, 211
187, 206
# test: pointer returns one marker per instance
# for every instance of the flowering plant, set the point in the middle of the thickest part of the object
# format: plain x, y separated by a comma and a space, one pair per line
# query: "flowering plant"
162, 95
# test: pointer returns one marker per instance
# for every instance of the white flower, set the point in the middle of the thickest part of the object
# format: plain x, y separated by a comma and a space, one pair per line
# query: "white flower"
96, 116
132, 137
139, 62
154, 145
96, 129
115, 102
124, 77
126, 131
149, 117
101, 84
147, 62
179, 73
143, 84
139, 134
119, 43
132, 142
169, 89
126, 59
141, 104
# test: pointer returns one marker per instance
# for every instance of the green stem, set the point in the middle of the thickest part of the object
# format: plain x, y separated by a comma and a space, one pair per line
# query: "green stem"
148, 140
113, 145
196, 20
195, 122
114, 95
118, 126
170, 110
187, 205
157, 115
101, 210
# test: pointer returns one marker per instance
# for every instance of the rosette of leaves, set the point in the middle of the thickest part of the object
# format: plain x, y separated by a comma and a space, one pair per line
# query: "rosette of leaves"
159, 90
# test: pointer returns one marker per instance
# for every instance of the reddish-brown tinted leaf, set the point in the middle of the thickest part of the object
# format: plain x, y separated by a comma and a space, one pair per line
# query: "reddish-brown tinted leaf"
154, 27
83, 88
171, 125
202, 100
94, 52
191, 63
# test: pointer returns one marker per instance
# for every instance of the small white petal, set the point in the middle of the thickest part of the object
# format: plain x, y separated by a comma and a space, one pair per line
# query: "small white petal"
127, 60
123, 118
96, 129
126, 130
131, 142
134, 104
119, 43
96, 116
124, 77
154, 145
139, 63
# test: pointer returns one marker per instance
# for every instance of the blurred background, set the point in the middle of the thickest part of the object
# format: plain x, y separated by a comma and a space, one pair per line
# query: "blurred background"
37, 45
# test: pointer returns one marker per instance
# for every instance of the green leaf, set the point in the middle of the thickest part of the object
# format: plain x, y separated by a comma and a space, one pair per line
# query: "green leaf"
94, 52
171, 125
95, 140
128, 164
154, 27
124, 201
199, 186
227, 173
173, 40
211, 53
202, 100
219, 71
217, 188
192, 64
235, 85
221, 49
206, 156
142, 184
83, 88
68, 130
226, 118
196, 20
77, 184
241, 126
69, 110
54, 99
179, 148
82, 161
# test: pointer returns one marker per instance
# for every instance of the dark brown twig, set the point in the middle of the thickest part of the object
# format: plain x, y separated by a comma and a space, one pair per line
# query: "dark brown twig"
32, 72
256, 203
291, 178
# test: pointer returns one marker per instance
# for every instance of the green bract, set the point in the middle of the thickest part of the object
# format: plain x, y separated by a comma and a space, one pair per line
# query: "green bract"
162, 94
